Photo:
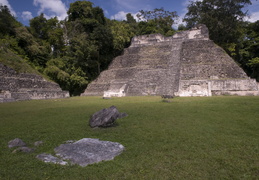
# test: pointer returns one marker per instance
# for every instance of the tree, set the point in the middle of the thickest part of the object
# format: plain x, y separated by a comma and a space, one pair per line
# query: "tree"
130, 19
157, 20
55, 36
50, 31
249, 51
8, 22
149, 27
122, 33
80, 10
222, 17
66, 75
38, 27
95, 45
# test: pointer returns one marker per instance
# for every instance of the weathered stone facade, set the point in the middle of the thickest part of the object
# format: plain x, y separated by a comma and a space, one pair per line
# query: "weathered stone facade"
20, 86
186, 64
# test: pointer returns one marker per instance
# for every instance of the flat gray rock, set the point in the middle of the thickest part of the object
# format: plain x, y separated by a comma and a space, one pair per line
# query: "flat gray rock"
23, 149
16, 143
48, 158
38, 143
89, 151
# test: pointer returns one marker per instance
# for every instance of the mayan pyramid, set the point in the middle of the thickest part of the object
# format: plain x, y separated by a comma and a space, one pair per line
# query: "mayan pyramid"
186, 64
22, 86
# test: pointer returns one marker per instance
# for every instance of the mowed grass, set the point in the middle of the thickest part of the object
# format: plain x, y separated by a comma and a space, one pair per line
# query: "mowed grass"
189, 138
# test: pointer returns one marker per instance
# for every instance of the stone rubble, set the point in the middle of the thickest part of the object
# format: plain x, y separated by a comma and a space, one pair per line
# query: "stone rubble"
22, 147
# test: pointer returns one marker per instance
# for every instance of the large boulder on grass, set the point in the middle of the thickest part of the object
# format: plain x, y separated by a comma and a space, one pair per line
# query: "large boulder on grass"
105, 117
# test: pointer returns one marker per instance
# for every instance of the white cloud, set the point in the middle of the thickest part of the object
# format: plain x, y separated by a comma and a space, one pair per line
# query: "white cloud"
254, 11
6, 3
254, 17
51, 8
121, 15
26, 15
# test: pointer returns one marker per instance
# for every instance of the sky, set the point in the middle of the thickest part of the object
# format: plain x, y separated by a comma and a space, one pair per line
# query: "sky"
24, 10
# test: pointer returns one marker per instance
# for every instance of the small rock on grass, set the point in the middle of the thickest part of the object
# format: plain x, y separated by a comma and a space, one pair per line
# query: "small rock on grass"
16, 143
38, 143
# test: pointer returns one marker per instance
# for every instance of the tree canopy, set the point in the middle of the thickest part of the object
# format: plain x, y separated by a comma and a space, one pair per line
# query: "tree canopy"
157, 21
222, 17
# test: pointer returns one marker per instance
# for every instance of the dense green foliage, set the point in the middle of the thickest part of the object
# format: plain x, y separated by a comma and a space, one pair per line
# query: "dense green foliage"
249, 51
74, 51
190, 138
157, 21
222, 17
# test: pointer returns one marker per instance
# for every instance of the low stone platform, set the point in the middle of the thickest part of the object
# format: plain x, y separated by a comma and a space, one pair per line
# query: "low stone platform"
20, 86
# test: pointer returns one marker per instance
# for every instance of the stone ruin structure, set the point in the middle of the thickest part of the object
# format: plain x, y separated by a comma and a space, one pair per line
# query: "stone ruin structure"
20, 86
186, 64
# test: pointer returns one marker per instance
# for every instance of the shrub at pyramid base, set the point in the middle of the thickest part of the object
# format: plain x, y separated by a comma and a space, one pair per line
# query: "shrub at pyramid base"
186, 64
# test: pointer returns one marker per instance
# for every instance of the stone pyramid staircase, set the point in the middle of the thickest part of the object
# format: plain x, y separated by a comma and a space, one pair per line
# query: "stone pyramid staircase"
141, 70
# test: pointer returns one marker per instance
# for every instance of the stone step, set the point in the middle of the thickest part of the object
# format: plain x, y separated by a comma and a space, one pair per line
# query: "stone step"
26, 90
2, 100
20, 95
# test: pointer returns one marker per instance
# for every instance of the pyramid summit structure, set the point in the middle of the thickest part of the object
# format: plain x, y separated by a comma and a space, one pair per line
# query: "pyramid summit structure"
185, 64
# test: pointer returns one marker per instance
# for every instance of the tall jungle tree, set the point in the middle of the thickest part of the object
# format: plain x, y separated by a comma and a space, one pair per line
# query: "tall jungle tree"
222, 17
7, 22
157, 21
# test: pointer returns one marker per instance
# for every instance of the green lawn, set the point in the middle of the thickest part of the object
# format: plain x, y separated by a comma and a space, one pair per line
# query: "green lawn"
189, 138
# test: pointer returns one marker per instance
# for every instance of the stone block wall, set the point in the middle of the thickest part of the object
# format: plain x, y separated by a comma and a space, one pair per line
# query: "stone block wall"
241, 87
19, 86
202, 59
